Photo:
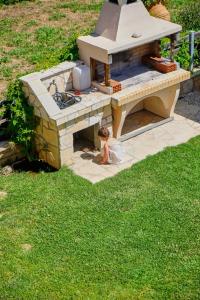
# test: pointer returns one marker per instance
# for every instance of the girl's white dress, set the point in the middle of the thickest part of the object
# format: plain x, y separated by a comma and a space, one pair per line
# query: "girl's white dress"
116, 152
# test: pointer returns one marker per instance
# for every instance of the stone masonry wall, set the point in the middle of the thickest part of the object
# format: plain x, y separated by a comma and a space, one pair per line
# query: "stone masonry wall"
55, 144
127, 58
97, 118
131, 57
33, 101
190, 85
47, 142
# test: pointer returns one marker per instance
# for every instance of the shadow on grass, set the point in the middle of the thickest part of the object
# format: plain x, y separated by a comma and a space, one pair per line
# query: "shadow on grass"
35, 166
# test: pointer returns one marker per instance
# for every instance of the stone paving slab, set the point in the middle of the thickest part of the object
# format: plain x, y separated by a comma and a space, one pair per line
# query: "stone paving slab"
186, 125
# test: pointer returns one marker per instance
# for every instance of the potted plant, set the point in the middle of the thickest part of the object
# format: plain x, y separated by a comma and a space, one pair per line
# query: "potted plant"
157, 9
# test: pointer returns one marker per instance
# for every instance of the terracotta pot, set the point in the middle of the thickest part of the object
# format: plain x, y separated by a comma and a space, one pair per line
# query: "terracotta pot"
160, 11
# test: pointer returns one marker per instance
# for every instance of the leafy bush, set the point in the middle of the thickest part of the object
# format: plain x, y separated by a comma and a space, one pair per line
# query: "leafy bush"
183, 55
70, 50
150, 3
189, 16
20, 117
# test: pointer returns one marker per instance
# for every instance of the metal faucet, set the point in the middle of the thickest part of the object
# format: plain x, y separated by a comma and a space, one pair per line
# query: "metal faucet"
53, 82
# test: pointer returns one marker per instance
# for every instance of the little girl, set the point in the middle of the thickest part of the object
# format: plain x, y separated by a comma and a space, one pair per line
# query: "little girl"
112, 151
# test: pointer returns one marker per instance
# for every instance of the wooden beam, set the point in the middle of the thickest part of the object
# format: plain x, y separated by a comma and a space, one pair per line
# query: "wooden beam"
158, 48
107, 74
172, 46
93, 69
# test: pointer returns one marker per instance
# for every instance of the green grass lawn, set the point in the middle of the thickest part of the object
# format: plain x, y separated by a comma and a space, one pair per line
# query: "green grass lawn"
134, 236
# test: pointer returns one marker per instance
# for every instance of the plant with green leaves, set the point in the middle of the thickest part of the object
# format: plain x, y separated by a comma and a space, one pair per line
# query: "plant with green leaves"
189, 16
197, 47
21, 121
184, 58
150, 3
70, 50
183, 55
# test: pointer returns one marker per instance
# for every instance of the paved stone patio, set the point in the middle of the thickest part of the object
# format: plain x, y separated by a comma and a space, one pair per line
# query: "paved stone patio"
185, 126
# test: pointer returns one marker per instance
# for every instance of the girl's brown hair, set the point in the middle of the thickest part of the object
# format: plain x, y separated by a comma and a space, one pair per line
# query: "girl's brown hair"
104, 132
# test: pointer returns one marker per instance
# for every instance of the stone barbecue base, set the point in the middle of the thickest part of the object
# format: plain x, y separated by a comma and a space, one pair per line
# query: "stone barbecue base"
57, 130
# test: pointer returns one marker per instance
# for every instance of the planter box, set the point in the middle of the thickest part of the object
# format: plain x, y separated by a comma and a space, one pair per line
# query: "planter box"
160, 64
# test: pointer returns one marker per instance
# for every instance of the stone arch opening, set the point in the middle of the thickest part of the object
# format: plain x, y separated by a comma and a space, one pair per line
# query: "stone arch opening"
144, 114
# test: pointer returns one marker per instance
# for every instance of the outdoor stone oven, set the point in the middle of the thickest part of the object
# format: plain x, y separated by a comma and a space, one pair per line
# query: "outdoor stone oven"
125, 95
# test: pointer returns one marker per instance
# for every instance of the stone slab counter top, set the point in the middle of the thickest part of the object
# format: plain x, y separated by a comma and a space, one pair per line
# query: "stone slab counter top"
91, 100
147, 88
36, 89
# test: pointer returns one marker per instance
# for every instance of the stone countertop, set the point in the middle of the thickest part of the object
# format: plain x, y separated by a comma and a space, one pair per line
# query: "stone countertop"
92, 99
147, 88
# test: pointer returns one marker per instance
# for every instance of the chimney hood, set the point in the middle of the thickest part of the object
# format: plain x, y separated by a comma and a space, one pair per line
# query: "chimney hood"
123, 25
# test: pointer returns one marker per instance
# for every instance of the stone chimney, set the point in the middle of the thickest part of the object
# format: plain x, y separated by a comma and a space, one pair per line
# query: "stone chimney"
121, 19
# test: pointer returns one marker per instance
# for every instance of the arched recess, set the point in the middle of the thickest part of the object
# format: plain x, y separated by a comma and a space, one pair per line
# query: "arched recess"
154, 109
150, 110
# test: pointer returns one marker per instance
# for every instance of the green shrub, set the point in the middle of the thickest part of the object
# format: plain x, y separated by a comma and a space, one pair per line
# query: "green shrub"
149, 3
183, 55
20, 116
189, 16
70, 50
